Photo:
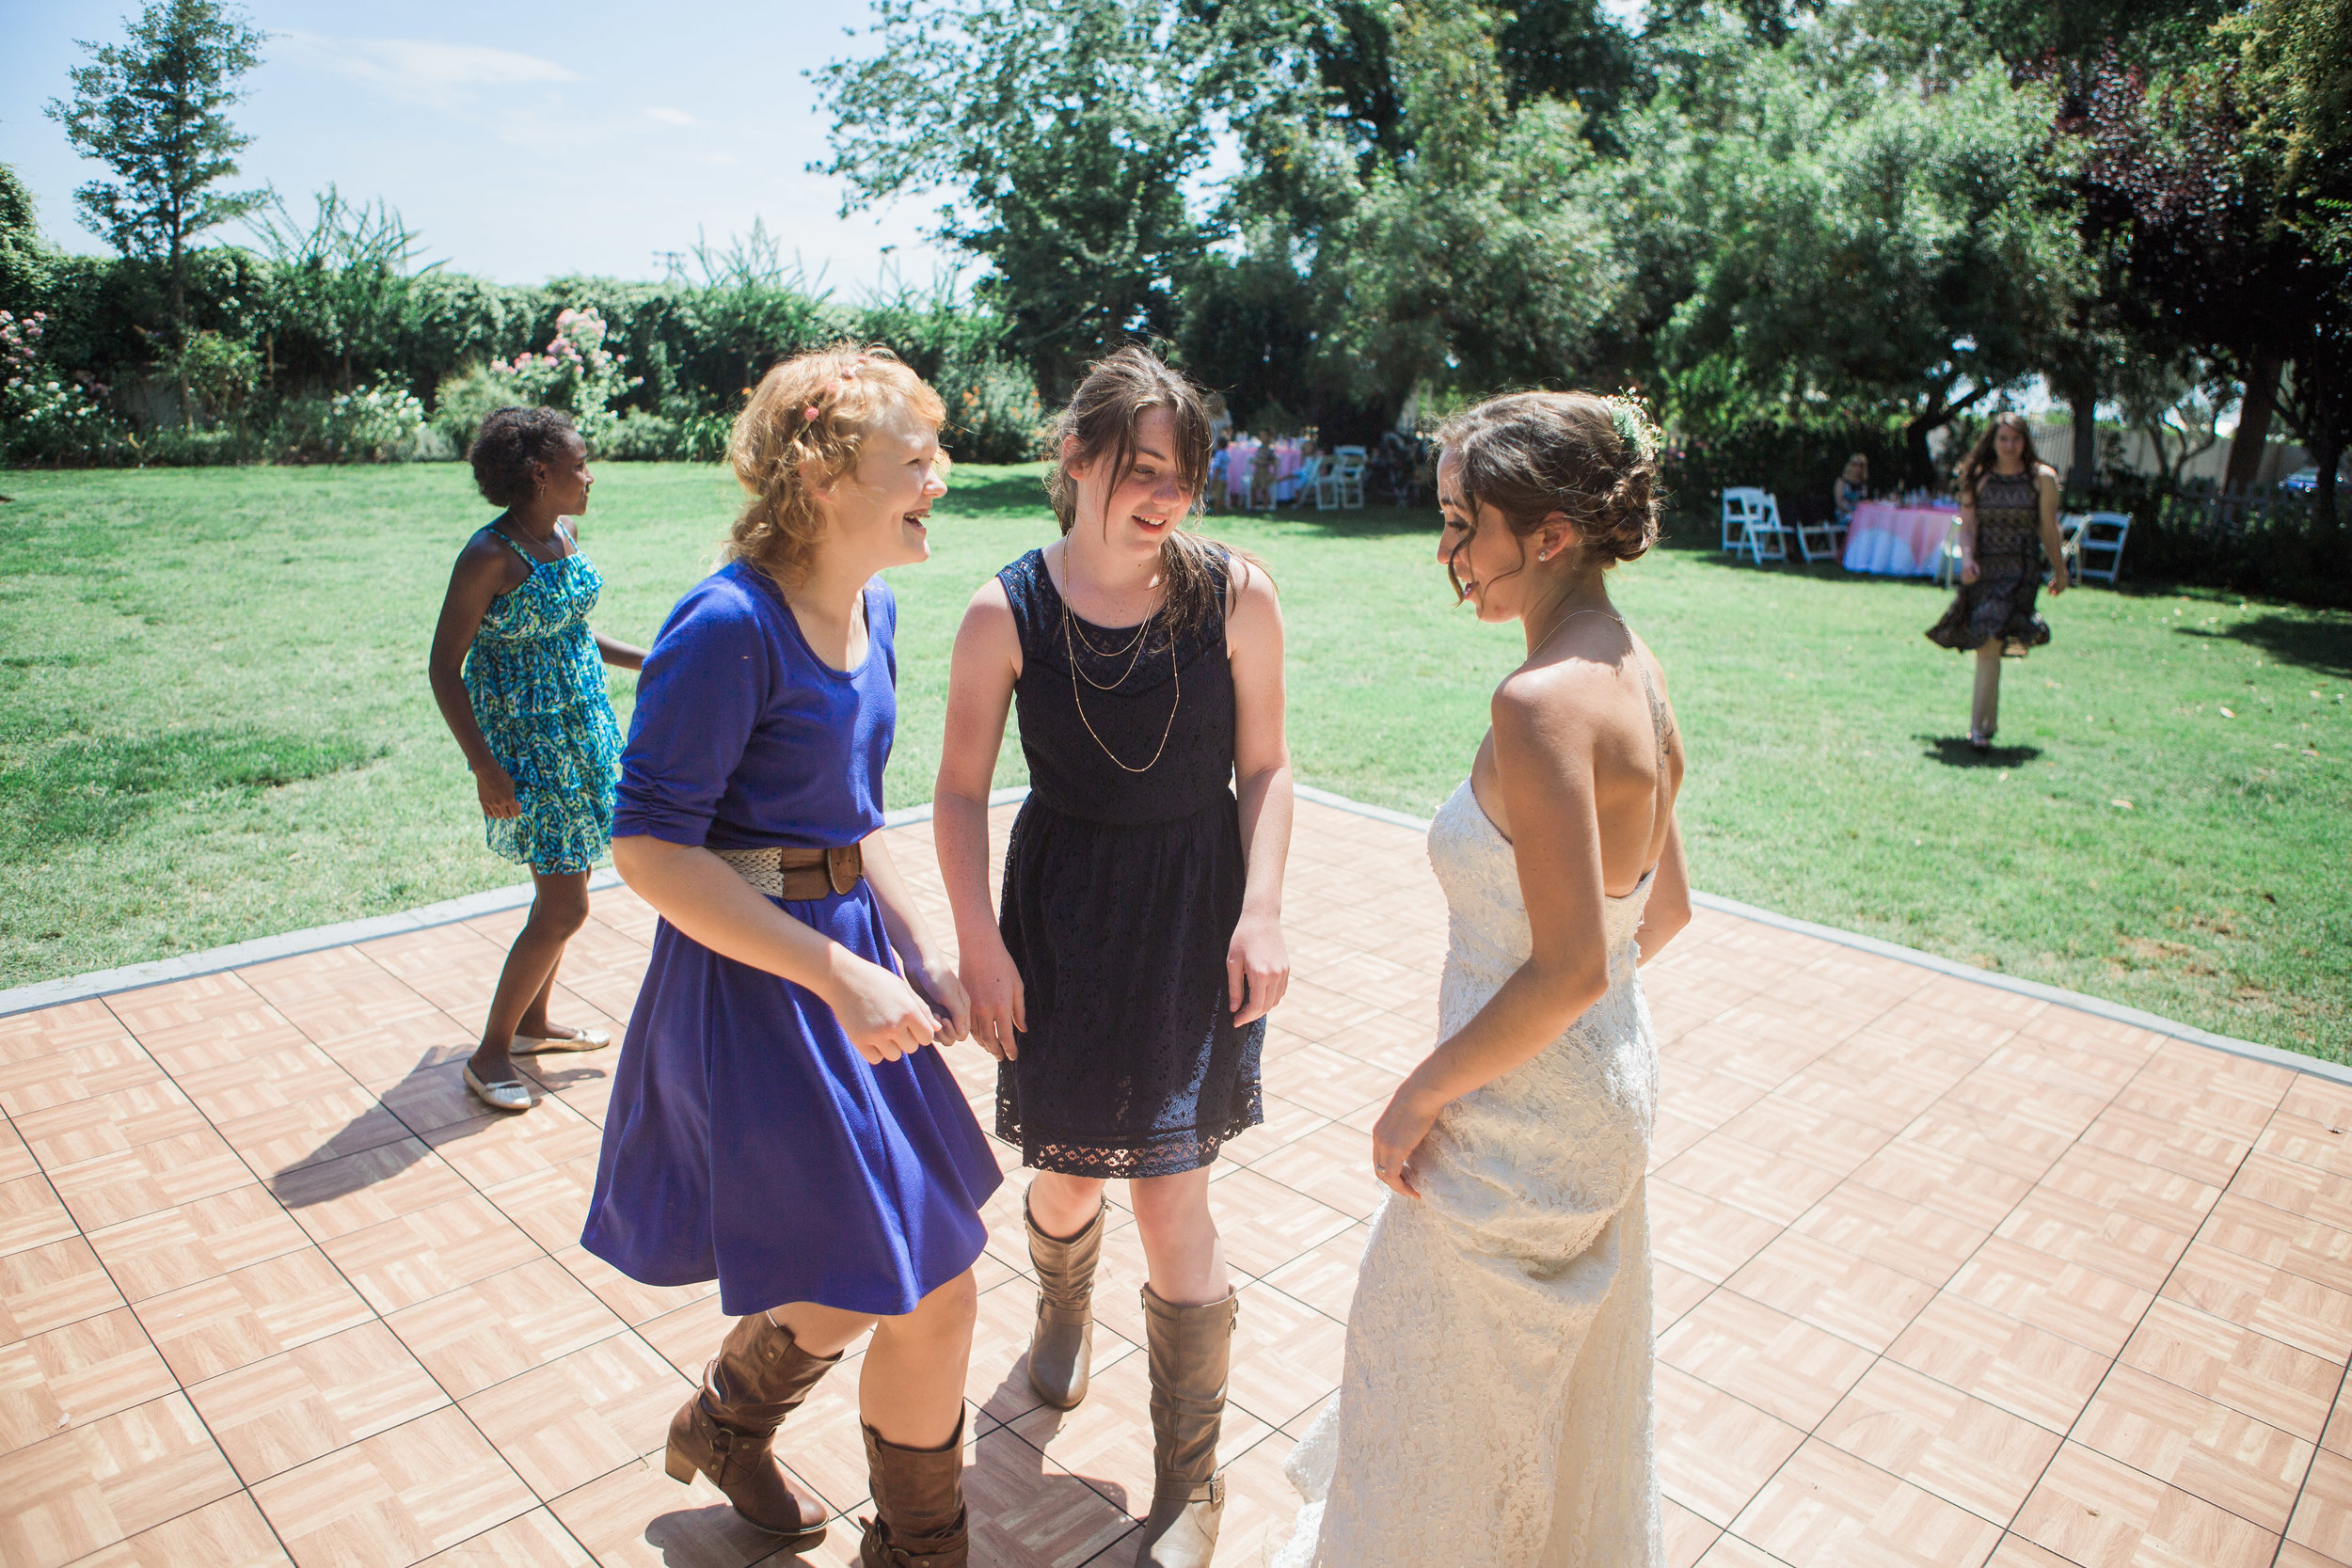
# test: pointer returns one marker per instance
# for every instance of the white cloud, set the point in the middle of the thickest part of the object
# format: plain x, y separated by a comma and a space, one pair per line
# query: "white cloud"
670, 116
425, 71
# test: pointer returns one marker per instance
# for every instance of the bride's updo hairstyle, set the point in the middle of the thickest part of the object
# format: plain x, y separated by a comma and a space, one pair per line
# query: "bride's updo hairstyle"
1104, 413
1592, 459
805, 423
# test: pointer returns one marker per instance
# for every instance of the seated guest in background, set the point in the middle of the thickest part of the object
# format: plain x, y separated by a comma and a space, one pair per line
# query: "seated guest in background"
1850, 489
1292, 486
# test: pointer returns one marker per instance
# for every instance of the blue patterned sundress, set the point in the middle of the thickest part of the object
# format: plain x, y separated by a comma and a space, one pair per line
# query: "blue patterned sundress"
537, 685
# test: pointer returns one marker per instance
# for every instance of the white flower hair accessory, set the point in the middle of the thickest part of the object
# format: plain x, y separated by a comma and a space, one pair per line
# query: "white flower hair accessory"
1633, 425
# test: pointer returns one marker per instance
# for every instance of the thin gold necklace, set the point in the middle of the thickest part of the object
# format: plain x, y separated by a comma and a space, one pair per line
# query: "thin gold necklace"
1175, 677
1070, 628
1554, 630
1135, 642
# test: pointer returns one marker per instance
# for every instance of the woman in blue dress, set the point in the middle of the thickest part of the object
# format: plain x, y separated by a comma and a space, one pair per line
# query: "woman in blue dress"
519, 679
780, 1120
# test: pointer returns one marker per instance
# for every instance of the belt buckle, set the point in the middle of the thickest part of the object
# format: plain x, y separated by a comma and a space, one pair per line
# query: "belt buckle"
841, 867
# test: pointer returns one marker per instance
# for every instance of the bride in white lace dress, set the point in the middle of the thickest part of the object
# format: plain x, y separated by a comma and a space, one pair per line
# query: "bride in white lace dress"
1496, 1411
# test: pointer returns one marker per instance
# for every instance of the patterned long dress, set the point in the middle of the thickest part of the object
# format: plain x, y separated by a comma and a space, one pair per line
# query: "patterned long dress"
2000, 603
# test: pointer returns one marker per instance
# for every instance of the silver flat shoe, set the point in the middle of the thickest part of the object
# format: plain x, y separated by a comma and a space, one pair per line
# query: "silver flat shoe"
506, 1094
535, 1045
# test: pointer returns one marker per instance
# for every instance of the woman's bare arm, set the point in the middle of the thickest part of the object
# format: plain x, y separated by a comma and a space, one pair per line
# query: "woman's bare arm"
1668, 910
623, 655
2052, 543
1257, 963
984, 666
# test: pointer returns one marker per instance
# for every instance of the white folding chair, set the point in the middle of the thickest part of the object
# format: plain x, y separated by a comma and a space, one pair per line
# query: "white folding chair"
1762, 534
2101, 534
1948, 556
1303, 484
1740, 504
1821, 540
1752, 524
1344, 482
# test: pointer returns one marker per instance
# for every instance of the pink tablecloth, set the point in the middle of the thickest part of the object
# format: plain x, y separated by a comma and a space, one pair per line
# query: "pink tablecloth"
1241, 455
1894, 541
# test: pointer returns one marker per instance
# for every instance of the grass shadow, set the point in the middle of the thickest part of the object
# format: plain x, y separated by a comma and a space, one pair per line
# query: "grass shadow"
1953, 751
2322, 646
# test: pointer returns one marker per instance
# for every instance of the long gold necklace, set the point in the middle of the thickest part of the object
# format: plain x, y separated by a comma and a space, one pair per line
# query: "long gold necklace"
1175, 677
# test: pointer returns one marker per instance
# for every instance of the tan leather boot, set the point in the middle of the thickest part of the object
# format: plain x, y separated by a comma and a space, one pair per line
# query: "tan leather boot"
1191, 1348
919, 1520
728, 1430
1061, 1346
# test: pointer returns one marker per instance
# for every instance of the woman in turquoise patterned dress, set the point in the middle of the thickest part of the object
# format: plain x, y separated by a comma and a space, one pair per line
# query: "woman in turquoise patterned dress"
520, 676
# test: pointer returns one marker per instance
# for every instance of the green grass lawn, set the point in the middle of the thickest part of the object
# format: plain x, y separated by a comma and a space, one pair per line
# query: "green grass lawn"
214, 725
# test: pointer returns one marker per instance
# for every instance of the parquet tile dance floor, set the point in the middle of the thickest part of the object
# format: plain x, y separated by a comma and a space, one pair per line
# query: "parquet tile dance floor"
1945, 1275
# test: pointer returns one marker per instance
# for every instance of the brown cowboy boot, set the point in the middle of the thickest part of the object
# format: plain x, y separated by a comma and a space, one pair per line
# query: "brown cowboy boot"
728, 1430
918, 1517
1190, 1347
1061, 1346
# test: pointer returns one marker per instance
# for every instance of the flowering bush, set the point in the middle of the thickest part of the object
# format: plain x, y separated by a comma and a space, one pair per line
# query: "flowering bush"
46, 417
575, 372
379, 423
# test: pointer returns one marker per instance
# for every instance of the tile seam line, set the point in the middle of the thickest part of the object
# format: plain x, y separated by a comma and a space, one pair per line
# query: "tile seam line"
454, 1402
107, 982
2309, 1465
374, 1316
1813, 1433
2117, 1360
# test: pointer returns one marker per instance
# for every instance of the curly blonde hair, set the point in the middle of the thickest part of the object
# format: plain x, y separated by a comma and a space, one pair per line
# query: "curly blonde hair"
805, 423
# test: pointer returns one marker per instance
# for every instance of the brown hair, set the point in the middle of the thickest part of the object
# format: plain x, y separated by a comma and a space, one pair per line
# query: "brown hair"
1981, 457
1119, 390
815, 408
1592, 459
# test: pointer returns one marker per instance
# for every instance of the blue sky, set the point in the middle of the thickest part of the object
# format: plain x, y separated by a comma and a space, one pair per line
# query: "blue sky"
522, 139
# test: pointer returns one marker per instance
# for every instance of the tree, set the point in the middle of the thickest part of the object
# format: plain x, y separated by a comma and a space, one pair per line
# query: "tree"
2226, 187
1065, 130
154, 110
1874, 246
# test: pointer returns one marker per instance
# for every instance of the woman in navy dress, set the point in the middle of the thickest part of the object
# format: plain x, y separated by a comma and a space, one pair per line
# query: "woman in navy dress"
1125, 983
780, 1118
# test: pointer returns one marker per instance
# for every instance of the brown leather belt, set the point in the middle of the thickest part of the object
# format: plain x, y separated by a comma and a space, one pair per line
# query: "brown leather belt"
799, 874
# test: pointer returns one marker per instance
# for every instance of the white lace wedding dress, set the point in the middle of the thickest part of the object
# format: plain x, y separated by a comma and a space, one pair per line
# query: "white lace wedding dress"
1495, 1408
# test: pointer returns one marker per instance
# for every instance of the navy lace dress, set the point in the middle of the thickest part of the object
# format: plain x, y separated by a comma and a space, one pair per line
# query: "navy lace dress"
1121, 891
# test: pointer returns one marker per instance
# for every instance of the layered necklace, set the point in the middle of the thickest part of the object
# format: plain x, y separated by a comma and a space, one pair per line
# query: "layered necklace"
1072, 637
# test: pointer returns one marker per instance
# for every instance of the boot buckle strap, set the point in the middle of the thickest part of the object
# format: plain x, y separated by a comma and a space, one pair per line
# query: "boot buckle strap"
1211, 1491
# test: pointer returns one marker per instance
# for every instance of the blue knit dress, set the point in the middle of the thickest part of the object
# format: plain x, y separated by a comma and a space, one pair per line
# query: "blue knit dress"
746, 1140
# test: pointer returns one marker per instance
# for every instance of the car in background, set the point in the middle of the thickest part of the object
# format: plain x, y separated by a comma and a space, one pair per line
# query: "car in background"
2304, 481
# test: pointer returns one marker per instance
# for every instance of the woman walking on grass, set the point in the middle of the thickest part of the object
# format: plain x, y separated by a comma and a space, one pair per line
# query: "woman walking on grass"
1125, 983
520, 677
778, 1121
2008, 502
